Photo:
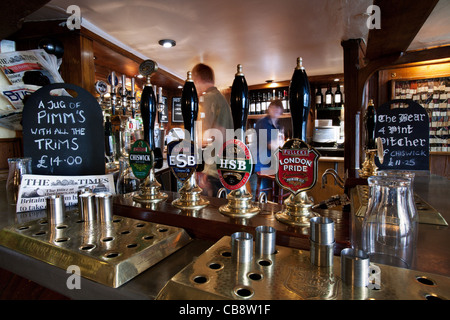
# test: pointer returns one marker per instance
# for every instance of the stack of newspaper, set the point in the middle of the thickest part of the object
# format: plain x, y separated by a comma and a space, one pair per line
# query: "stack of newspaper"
23, 72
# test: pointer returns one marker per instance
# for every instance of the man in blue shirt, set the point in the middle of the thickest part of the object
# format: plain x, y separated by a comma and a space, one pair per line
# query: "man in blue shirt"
267, 134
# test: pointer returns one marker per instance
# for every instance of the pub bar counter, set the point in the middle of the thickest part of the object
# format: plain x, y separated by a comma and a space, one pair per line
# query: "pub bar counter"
377, 63
207, 226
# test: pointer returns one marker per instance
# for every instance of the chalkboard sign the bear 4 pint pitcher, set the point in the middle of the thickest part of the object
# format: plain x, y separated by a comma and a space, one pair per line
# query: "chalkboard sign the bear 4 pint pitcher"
63, 134
404, 133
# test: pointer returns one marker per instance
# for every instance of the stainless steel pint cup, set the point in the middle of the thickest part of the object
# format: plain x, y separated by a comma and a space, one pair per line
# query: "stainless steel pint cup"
242, 247
355, 267
104, 206
321, 255
265, 240
88, 211
55, 209
322, 230
322, 241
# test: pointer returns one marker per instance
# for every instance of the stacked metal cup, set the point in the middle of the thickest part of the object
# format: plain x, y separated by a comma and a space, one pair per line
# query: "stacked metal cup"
322, 241
241, 247
265, 240
95, 206
55, 209
355, 267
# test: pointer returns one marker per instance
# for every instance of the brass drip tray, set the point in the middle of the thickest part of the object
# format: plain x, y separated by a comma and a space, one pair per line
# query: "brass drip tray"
427, 214
288, 274
110, 254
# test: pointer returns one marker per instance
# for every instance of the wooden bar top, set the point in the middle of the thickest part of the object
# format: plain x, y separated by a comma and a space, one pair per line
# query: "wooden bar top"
209, 224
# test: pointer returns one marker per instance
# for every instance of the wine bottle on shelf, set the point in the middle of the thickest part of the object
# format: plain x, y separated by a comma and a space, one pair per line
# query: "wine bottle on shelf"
258, 104
263, 103
285, 102
328, 97
319, 98
338, 97
299, 101
239, 102
252, 104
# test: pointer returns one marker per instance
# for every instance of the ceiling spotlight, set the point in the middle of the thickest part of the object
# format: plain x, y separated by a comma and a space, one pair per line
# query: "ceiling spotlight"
167, 43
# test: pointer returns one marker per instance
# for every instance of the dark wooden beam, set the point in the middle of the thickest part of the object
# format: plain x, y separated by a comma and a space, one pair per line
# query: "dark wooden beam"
14, 12
401, 20
423, 56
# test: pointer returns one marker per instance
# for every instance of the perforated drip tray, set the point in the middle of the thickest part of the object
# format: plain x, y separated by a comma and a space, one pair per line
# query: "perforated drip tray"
427, 214
110, 254
288, 274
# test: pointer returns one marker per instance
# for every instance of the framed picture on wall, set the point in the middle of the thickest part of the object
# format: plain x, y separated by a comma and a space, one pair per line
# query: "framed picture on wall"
177, 115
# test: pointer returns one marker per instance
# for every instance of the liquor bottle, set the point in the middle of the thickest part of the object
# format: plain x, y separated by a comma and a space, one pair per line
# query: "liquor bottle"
148, 114
319, 98
239, 102
189, 105
299, 101
285, 101
258, 104
263, 103
338, 97
328, 98
369, 122
110, 148
252, 105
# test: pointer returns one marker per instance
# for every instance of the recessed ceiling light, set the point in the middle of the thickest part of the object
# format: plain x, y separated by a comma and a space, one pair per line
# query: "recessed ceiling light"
167, 43
336, 80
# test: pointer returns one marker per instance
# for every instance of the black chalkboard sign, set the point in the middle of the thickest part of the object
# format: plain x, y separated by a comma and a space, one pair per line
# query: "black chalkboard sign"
177, 115
63, 134
405, 136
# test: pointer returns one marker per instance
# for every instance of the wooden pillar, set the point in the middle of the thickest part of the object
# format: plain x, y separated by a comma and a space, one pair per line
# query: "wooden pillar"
353, 103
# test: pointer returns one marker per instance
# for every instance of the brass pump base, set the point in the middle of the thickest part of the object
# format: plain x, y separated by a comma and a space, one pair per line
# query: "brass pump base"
239, 204
298, 210
368, 168
190, 196
150, 190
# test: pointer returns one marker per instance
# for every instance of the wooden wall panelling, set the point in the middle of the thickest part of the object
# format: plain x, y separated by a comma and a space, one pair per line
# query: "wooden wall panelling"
9, 148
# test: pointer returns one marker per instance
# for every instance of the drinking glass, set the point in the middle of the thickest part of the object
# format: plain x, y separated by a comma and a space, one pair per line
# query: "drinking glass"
17, 168
411, 202
388, 231
127, 181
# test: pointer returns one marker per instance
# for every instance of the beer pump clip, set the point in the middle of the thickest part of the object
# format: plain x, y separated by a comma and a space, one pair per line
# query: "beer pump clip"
234, 161
144, 157
297, 170
101, 88
182, 155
